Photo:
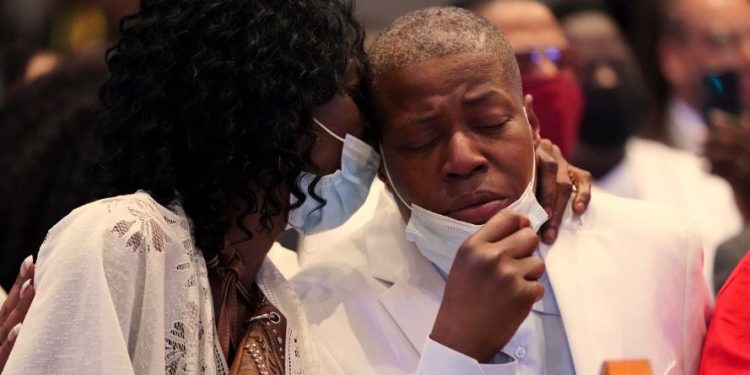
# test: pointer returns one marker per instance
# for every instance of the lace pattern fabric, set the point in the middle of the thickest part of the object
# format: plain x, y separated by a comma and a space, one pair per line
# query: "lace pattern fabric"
121, 289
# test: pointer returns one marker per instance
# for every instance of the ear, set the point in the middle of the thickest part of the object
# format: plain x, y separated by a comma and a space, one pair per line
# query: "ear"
528, 102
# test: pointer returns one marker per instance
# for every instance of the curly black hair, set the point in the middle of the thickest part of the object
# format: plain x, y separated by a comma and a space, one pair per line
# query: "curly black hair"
210, 101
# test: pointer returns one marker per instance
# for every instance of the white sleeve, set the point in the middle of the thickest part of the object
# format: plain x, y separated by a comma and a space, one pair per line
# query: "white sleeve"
72, 326
438, 359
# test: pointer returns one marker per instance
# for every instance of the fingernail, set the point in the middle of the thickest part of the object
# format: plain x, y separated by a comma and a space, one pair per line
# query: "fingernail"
549, 235
14, 332
26, 265
25, 286
579, 206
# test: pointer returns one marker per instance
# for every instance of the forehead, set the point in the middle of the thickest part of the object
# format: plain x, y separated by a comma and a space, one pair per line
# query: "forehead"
714, 13
527, 24
595, 37
425, 86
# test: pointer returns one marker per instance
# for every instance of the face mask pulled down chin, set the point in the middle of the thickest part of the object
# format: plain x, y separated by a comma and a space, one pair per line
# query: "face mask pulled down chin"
558, 103
439, 237
343, 191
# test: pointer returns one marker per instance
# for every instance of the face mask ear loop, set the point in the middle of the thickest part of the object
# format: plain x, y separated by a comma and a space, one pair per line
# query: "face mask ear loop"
328, 130
390, 181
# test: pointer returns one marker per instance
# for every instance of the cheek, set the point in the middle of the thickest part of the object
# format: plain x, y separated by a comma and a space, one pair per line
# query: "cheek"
326, 155
414, 178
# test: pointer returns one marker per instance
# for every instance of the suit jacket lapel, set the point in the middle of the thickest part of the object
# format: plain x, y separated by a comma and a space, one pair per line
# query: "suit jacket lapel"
413, 299
585, 278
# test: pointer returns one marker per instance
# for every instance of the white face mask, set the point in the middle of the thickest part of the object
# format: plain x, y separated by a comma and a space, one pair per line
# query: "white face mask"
344, 191
438, 237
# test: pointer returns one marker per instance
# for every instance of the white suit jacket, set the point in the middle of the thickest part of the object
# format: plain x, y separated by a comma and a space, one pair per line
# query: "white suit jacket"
657, 173
627, 277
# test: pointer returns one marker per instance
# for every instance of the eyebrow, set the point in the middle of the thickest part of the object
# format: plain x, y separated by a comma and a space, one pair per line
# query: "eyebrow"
473, 98
422, 118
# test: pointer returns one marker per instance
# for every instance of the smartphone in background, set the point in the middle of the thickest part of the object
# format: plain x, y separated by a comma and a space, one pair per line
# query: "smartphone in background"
721, 91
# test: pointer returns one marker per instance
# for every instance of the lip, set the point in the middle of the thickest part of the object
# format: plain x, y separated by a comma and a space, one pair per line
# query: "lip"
477, 207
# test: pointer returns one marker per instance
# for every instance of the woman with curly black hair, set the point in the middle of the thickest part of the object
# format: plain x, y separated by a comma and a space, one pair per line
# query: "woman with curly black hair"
224, 122
216, 113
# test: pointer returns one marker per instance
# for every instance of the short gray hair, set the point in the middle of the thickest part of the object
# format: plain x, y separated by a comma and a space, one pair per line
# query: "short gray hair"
438, 32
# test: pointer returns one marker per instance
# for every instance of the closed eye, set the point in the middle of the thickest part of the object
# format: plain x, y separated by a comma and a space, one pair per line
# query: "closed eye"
420, 145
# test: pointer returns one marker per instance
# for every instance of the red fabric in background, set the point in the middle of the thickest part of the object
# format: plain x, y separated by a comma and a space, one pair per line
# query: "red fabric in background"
558, 103
727, 346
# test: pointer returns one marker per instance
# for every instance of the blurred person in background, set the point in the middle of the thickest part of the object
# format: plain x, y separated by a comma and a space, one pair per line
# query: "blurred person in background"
544, 58
46, 131
626, 165
697, 37
728, 150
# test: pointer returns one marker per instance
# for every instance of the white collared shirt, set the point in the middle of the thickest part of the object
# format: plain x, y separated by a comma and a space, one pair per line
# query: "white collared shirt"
540, 345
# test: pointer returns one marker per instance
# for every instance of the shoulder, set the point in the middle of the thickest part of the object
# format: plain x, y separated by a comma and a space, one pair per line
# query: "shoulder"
333, 265
112, 227
650, 234
617, 214
337, 275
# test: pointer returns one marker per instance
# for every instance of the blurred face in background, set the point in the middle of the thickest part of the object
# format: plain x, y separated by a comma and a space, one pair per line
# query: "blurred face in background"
544, 58
705, 35
613, 90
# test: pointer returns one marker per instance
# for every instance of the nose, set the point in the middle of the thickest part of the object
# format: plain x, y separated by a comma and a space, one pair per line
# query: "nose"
463, 158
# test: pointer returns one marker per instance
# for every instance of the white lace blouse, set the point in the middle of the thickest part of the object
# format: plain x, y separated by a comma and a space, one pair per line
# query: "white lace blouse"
122, 289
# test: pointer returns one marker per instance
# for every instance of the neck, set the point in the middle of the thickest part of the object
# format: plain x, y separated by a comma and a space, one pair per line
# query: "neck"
253, 251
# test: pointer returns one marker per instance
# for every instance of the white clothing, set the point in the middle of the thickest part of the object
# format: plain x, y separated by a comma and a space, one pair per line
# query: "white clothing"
686, 128
122, 289
311, 245
626, 276
654, 172
540, 345
284, 259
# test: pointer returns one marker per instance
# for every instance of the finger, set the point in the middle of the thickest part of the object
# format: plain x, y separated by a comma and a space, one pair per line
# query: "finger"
25, 272
531, 267
7, 346
565, 189
520, 244
583, 181
547, 176
18, 314
500, 226
535, 289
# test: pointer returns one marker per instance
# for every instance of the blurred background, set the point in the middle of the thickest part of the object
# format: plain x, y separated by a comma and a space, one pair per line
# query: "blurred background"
618, 85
